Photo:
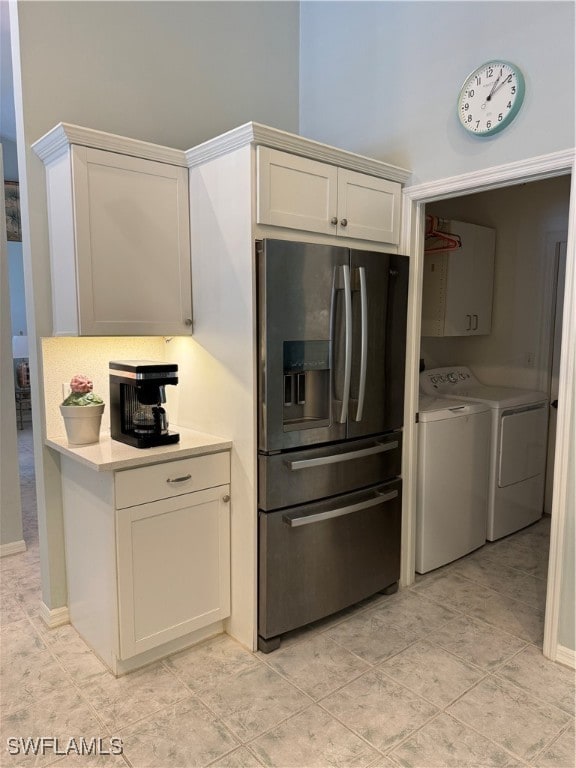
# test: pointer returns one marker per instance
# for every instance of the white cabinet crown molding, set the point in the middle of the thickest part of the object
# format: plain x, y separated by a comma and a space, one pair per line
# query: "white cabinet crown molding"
57, 141
258, 134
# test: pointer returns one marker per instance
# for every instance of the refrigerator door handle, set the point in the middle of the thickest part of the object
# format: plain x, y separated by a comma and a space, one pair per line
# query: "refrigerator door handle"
295, 519
347, 343
363, 343
339, 457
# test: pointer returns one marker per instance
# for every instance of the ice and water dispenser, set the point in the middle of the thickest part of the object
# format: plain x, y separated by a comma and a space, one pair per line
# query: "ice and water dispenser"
306, 384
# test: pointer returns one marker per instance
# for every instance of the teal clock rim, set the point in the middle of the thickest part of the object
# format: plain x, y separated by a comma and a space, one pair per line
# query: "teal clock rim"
513, 112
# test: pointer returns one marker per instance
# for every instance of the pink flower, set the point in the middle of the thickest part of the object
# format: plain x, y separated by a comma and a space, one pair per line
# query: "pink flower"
81, 384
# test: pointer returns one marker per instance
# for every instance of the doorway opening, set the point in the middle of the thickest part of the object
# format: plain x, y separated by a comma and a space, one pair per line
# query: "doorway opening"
500, 275
419, 200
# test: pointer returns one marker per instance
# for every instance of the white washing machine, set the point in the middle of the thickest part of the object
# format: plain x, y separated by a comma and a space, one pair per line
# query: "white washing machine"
518, 444
453, 474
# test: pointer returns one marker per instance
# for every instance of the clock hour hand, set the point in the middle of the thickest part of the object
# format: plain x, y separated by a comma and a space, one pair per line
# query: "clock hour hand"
494, 88
497, 87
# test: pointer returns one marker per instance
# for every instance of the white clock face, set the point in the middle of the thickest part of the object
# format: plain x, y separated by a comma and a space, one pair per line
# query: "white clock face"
490, 98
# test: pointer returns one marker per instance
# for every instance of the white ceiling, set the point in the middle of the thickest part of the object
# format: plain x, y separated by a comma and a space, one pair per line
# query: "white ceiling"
7, 117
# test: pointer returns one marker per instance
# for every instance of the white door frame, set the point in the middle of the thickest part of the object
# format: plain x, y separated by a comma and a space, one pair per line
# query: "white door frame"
412, 243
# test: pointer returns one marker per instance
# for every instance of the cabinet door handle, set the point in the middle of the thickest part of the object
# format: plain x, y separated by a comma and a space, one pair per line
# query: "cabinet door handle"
179, 479
334, 220
343, 222
475, 328
226, 498
469, 326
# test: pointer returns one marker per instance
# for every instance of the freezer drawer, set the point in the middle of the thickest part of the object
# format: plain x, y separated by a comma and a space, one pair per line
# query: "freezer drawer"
298, 477
319, 558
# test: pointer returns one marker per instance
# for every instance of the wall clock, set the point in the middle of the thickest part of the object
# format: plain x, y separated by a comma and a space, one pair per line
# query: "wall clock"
491, 97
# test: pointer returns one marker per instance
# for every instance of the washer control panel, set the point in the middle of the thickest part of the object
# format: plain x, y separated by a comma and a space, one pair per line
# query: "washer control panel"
446, 380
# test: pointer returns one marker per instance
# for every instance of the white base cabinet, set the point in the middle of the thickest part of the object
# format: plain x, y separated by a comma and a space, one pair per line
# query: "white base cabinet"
301, 193
144, 575
458, 285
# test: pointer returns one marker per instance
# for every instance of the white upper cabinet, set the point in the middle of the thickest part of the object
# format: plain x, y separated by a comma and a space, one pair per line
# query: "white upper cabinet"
458, 285
301, 193
368, 207
296, 192
119, 240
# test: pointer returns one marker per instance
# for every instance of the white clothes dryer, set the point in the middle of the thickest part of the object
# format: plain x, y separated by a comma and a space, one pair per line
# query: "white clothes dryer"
453, 473
518, 444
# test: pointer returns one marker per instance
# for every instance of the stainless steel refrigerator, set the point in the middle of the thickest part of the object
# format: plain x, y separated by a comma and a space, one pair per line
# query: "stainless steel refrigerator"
332, 348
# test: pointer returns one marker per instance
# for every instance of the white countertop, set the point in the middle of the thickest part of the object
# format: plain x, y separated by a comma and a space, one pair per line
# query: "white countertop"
109, 455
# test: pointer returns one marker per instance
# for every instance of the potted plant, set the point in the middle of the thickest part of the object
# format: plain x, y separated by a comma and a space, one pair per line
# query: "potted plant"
82, 412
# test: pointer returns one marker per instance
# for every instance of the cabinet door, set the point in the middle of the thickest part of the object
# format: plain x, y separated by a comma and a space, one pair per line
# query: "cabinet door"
458, 317
132, 245
368, 207
482, 281
470, 282
173, 559
296, 192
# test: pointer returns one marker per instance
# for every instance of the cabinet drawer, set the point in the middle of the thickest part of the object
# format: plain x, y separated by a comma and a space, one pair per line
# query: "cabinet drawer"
171, 478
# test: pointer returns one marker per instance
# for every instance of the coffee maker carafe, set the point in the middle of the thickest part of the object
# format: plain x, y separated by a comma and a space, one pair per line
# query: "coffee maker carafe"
137, 396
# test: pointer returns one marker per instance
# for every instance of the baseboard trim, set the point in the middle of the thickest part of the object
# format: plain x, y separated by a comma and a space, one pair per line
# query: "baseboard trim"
566, 656
54, 617
13, 548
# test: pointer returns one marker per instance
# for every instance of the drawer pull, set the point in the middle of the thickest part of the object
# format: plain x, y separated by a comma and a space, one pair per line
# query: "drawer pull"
179, 479
295, 519
336, 458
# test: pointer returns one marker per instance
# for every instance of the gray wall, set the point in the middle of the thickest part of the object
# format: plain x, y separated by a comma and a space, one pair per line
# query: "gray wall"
10, 159
173, 73
16, 285
11, 517
382, 78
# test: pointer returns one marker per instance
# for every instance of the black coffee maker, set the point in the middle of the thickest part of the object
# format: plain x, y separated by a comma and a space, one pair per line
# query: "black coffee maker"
137, 397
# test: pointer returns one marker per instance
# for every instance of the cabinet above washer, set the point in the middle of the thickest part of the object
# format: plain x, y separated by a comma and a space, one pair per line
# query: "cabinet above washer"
458, 284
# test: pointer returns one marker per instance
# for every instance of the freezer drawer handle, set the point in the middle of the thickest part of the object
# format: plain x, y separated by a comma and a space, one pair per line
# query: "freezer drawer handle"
294, 520
338, 457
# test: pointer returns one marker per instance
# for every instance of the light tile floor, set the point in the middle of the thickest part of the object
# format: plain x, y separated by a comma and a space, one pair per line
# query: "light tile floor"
446, 673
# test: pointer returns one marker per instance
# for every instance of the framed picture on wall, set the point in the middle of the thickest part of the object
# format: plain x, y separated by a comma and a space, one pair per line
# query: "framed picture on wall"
12, 198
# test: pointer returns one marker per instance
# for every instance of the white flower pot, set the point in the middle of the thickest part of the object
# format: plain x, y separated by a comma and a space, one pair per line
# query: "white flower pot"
82, 423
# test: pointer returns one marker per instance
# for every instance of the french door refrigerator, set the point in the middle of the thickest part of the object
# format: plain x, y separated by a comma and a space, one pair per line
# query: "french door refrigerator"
332, 348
